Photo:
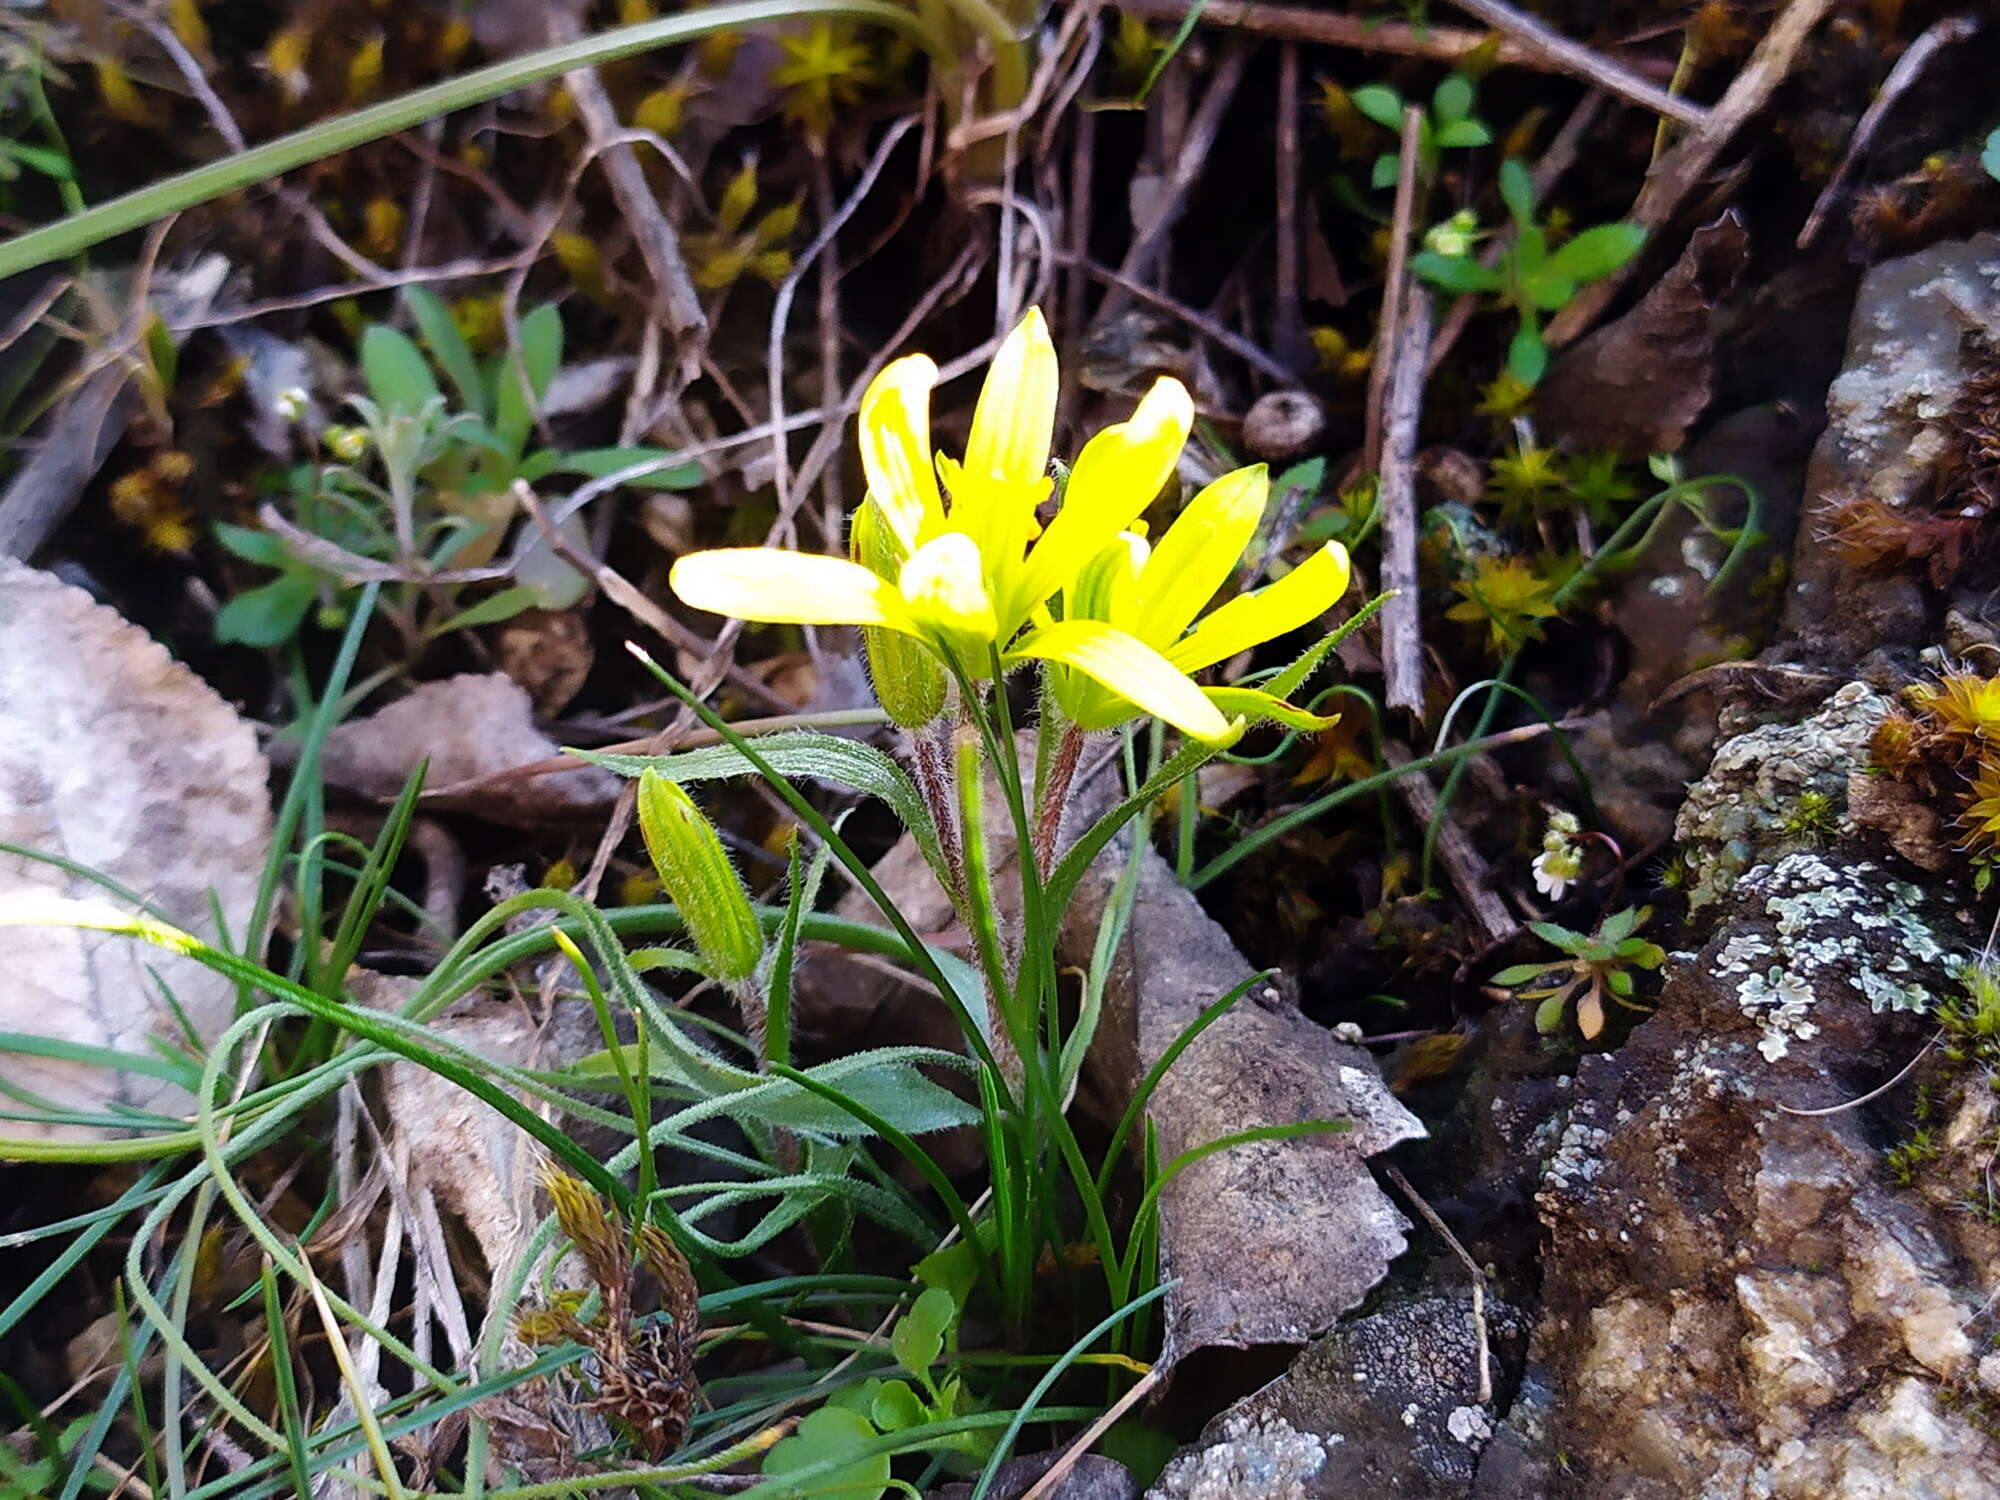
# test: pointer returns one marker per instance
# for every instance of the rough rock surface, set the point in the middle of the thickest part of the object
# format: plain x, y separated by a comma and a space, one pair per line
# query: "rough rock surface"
1889, 422
1393, 1396
1747, 808
1739, 1298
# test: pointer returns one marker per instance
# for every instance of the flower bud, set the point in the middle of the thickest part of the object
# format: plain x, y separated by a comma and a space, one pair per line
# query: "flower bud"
697, 874
908, 679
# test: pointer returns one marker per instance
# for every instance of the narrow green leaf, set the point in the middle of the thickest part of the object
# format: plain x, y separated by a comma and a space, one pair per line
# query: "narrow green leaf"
539, 356
1517, 190
595, 463
1454, 273
268, 615
825, 757
448, 347
1597, 251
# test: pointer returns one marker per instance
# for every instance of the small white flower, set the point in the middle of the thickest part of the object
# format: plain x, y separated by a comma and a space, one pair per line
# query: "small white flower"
1555, 869
290, 403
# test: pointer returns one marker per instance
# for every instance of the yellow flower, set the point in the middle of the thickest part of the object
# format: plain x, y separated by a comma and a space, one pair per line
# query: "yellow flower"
970, 579
1153, 595
1509, 596
823, 70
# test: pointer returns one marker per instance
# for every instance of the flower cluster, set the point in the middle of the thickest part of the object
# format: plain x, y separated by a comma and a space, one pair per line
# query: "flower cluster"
1561, 859
951, 554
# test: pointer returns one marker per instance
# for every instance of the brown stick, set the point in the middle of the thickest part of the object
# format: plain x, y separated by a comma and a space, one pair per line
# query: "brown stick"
1485, 1390
1463, 865
1396, 492
1288, 324
1299, 23
659, 247
1394, 285
1675, 175
1916, 57
1561, 55
1059, 1470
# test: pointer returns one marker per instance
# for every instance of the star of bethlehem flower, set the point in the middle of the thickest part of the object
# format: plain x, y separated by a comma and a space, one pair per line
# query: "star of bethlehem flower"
953, 557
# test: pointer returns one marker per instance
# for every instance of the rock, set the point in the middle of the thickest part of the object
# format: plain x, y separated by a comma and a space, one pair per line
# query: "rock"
1889, 414
1092, 1478
1748, 808
1738, 1298
1255, 1460
1390, 1396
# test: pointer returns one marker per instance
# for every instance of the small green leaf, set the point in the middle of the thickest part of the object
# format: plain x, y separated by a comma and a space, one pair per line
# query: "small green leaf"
253, 544
896, 1406
827, 1436
1548, 289
1381, 104
1619, 925
1456, 135
954, 1270
1454, 273
1549, 1015
540, 355
1989, 157
1453, 98
1527, 355
491, 610
1558, 937
398, 379
918, 1337
1388, 167
1619, 983
1520, 974
1597, 251
269, 615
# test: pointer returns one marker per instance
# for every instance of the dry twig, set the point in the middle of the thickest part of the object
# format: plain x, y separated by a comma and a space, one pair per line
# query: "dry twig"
1562, 55
1485, 1392
1300, 23
1675, 175
1463, 865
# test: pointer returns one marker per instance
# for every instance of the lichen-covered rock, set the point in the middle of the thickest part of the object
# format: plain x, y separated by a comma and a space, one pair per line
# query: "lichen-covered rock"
1740, 1299
1393, 1398
1748, 809
1255, 1460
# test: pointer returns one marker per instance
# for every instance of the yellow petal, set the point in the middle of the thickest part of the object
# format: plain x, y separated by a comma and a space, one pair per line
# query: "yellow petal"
1104, 589
944, 589
1198, 553
1134, 671
787, 588
1116, 477
1016, 415
896, 447
998, 514
1251, 619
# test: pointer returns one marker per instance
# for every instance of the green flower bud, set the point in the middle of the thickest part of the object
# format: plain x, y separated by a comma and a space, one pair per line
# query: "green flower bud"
698, 876
908, 679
